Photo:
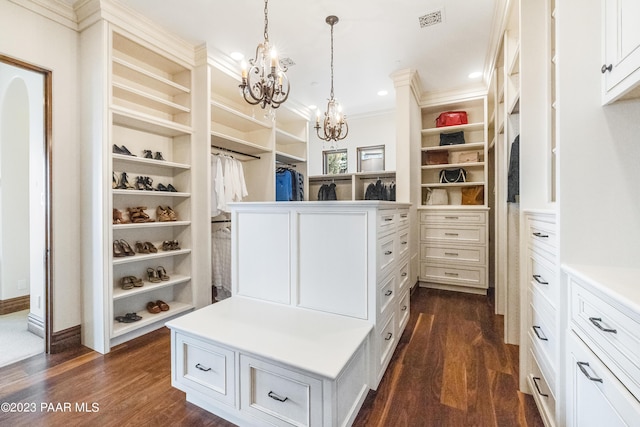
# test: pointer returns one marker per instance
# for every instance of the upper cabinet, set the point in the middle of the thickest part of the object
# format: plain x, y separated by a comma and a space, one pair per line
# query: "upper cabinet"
621, 50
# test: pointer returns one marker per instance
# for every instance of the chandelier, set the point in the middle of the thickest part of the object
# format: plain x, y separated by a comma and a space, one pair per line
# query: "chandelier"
265, 82
335, 122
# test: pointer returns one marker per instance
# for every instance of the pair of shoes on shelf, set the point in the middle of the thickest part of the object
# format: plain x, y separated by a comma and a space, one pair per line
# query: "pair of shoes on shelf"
170, 188
130, 282
170, 245
122, 248
144, 183
138, 215
145, 248
122, 150
148, 154
117, 217
157, 275
123, 183
155, 307
128, 318
164, 214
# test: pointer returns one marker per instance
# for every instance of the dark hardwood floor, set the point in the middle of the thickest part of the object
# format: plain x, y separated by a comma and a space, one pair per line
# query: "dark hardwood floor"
450, 369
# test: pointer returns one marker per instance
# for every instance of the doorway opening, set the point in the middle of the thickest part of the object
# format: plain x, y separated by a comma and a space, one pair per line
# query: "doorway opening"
25, 210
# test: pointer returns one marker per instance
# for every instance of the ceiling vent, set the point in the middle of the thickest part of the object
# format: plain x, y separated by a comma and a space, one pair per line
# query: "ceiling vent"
431, 18
286, 62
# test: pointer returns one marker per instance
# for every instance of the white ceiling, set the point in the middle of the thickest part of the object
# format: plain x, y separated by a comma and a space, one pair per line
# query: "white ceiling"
373, 39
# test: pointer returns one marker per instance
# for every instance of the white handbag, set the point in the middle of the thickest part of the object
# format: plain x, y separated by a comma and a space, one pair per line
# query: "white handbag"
437, 196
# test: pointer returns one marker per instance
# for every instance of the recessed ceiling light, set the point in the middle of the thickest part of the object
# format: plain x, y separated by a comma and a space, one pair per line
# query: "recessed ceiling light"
238, 56
475, 74
383, 93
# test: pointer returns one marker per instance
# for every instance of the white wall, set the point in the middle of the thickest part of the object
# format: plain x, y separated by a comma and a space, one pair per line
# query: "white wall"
364, 131
599, 149
40, 41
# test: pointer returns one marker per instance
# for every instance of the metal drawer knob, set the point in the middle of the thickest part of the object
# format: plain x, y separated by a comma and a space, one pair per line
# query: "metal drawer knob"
388, 252
389, 335
276, 397
596, 321
606, 68
388, 293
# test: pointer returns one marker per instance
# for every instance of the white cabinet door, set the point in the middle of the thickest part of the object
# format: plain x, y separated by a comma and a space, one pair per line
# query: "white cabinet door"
621, 68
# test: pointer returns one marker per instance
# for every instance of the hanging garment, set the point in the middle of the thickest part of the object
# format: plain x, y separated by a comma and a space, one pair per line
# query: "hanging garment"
228, 183
284, 185
217, 187
513, 178
221, 262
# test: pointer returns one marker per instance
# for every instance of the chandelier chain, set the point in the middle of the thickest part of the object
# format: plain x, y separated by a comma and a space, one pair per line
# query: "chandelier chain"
331, 61
266, 21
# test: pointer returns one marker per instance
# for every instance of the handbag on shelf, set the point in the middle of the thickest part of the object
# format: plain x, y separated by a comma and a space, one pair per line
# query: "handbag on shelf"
449, 176
453, 138
473, 195
436, 196
451, 118
435, 157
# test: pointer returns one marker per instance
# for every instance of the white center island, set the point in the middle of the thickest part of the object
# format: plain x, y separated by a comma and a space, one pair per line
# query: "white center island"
320, 299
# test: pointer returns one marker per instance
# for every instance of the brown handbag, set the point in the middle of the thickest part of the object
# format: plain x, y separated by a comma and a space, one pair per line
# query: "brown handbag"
473, 195
435, 157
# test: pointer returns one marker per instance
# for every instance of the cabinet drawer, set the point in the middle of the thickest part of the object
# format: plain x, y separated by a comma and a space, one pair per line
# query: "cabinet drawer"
456, 217
386, 221
597, 397
459, 275
542, 235
542, 277
542, 392
403, 242
453, 254
403, 218
542, 329
404, 309
386, 340
386, 254
386, 296
474, 234
612, 332
278, 395
205, 368
403, 275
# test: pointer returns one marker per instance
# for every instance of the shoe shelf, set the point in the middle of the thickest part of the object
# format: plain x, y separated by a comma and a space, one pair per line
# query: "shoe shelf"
175, 279
147, 193
155, 224
149, 162
149, 318
221, 113
458, 147
452, 184
451, 129
125, 68
453, 165
146, 257
132, 95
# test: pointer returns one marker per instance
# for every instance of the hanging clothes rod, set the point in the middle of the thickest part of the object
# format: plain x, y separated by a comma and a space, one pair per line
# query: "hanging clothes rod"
235, 152
214, 221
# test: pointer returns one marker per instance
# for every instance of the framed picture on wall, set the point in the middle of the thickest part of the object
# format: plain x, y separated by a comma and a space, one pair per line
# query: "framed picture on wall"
334, 161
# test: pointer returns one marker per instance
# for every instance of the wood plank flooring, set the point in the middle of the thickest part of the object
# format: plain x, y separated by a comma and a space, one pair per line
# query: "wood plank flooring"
450, 369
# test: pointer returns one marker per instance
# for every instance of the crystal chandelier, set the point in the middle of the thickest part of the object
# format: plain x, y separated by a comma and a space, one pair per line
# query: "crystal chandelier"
335, 122
265, 82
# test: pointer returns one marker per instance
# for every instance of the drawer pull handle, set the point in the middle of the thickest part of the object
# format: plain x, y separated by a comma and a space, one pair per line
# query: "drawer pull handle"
203, 368
535, 382
404, 243
596, 321
451, 217
538, 234
542, 338
538, 279
446, 273
388, 219
450, 234
582, 365
388, 252
389, 335
404, 216
451, 253
404, 274
276, 397
404, 308
388, 293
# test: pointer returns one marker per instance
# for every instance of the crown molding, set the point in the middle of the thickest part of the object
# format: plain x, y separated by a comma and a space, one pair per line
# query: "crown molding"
138, 25
55, 10
408, 77
460, 94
